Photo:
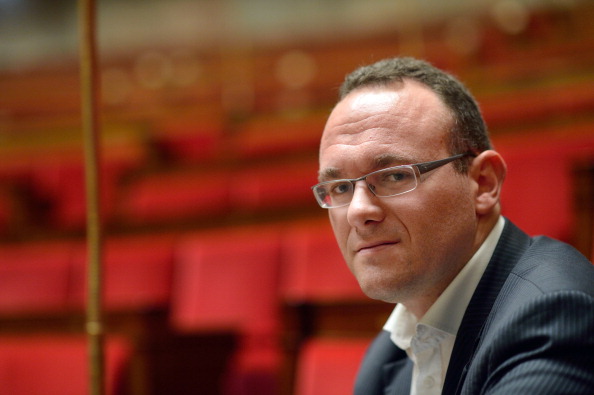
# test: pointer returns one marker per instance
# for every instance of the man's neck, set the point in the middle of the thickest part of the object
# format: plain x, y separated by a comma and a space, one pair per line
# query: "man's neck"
419, 306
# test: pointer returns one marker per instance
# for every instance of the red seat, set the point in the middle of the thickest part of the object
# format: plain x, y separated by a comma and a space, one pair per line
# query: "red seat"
329, 366
14, 169
314, 269
61, 185
137, 273
6, 210
34, 277
190, 140
229, 281
175, 196
56, 365
277, 135
275, 187
538, 192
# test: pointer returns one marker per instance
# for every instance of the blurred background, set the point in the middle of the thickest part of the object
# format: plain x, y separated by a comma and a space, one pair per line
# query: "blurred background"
221, 273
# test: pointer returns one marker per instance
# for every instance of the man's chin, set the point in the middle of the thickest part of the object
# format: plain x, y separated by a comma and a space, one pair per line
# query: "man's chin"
378, 292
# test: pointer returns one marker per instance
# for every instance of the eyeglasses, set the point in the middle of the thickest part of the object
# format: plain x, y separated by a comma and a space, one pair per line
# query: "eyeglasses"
392, 181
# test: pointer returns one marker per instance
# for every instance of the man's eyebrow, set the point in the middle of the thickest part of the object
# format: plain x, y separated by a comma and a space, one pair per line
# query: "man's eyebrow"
379, 162
388, 160
329, 173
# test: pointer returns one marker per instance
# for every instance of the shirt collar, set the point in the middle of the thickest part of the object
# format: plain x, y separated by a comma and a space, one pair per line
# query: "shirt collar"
447, 311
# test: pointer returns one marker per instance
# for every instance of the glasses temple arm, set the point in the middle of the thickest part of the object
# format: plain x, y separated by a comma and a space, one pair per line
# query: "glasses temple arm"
428, 166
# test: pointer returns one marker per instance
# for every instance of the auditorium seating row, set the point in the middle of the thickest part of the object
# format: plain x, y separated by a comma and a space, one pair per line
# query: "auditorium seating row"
52, 195
230, 280
265, 171
60, 366
292, 261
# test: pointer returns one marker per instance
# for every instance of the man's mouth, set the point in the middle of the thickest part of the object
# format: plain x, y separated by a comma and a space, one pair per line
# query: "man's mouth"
375, 246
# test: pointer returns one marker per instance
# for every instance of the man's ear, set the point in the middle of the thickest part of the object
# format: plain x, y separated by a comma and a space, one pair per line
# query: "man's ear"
488, 170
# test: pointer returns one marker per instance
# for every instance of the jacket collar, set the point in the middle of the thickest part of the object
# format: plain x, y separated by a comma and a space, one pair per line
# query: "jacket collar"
511, 245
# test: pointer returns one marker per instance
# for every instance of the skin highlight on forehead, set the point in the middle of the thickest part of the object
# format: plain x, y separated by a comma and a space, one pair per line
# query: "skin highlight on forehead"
364, 106
382, 107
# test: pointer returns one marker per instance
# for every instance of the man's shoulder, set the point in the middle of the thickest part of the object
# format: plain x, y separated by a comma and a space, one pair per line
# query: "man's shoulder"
550, 265
540, 325
540, 262
547, 275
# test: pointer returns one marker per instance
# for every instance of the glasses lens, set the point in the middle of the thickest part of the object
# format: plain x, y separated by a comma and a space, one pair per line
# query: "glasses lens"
334, 193
383, 183
393, 181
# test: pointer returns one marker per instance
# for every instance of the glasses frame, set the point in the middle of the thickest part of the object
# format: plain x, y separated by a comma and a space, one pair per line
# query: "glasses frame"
421, 168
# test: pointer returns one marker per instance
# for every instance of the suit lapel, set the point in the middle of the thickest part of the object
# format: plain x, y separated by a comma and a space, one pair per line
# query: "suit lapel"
508, 251
398, 376
381, 368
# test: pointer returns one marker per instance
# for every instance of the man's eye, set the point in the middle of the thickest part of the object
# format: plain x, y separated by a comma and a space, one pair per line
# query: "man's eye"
395, 176
340, 188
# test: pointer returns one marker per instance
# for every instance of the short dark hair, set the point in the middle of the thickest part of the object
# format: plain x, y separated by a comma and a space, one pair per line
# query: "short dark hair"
469, 132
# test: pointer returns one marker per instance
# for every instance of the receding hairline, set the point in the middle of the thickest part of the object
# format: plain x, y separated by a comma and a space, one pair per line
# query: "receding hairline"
379, 83
469, 131
396, 84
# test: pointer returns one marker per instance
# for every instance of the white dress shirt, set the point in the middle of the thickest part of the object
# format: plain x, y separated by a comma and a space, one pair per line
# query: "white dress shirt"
429, 341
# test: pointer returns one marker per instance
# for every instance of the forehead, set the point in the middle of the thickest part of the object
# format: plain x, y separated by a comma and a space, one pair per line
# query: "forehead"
406, 120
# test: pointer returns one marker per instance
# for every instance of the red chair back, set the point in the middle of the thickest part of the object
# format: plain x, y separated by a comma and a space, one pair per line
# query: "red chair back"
55, 365
329, 366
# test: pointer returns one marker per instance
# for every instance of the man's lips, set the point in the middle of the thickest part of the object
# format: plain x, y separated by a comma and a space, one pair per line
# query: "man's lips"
374, 246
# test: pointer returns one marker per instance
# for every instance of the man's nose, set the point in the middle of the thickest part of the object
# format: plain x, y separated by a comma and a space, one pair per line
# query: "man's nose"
364, 206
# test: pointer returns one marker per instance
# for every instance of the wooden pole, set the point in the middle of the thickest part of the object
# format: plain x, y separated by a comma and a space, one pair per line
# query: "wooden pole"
90, 98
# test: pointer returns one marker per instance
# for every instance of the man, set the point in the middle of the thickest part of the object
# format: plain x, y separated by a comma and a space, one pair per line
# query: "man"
412, 185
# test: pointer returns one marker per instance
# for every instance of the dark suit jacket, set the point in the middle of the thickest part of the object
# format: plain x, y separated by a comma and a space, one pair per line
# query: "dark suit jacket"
528, 329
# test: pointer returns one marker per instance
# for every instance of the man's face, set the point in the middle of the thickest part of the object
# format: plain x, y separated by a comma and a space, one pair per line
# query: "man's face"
405, 248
